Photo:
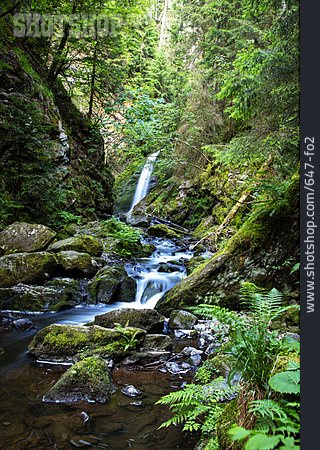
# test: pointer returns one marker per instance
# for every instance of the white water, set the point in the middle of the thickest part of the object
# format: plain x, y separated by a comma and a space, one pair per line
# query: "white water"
142, 188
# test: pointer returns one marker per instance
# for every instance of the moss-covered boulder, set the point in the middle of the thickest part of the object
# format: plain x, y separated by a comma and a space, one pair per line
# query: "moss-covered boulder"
81, 244
112, 284
77, 264
147, 319
23, 237
157, 342
259, 253
194, 262
55, 296
88, 380
182, 320
63, 342
162, 230
28, 268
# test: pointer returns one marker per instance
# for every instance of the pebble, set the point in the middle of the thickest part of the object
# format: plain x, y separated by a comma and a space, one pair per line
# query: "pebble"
6, 424
23, 324
173, 367
131, 391
188, 351
84, 416
196, 359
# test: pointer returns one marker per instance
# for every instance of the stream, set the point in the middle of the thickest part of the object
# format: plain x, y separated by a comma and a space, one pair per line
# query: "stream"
122, 423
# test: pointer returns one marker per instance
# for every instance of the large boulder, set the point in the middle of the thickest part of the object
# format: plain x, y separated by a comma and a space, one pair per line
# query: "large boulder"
88, 380
81, 244
112, 284
147, 319
23, 237
55, 295
64, 342
28, 268
182, 320
77, 264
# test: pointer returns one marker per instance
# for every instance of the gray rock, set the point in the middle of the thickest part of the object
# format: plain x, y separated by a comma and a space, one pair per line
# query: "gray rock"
147, 319
196, 359
23, 324
173, 367
23, 237
180, 319
56, 295
131, 391
157, 342
189, 351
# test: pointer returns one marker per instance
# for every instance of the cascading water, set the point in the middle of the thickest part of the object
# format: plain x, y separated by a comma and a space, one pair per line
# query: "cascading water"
158, 273
144, 182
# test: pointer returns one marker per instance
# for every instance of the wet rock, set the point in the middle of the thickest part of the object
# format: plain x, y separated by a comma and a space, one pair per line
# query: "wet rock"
112, 284
2, 352
131, 391
88, 380
23, 237
80, 244
27, 268
146, 357
77, 264
157, 342
173, 367
180, 319
196, 359
190, 351
84, 416
168, 268
56, 295
23, 324
64, 342
147, 319
6, 324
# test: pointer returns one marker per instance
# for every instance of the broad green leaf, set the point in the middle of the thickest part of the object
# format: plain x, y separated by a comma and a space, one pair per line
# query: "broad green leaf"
262, 442
238, 433
286, 382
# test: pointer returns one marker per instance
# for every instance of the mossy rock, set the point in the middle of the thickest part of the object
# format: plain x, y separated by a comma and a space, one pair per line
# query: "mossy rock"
54, 296
65, 341
23, 237
161, 230
81, 244
183, 320
157, 342
27, 268
77, 264
88, 380
147, 319
112, 284
194, 262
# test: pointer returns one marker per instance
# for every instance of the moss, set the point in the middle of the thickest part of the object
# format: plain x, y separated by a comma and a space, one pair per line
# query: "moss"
228, 417
81, 244
161, 230
88, 380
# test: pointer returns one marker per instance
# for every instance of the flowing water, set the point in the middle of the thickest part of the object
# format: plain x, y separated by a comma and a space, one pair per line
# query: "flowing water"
143, 185
123, 423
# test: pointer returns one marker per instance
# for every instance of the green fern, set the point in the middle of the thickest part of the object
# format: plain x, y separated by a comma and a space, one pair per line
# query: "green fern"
198, 407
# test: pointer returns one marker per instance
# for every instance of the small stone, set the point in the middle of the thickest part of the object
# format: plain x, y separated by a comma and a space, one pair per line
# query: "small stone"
22, 324
189, 351
196, 359
211, 349
131, 391
138, 403
84, 416
185, 365
179, 334
6, 424
173, 367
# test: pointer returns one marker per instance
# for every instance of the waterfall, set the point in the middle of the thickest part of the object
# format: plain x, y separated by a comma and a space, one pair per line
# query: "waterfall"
142, 188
